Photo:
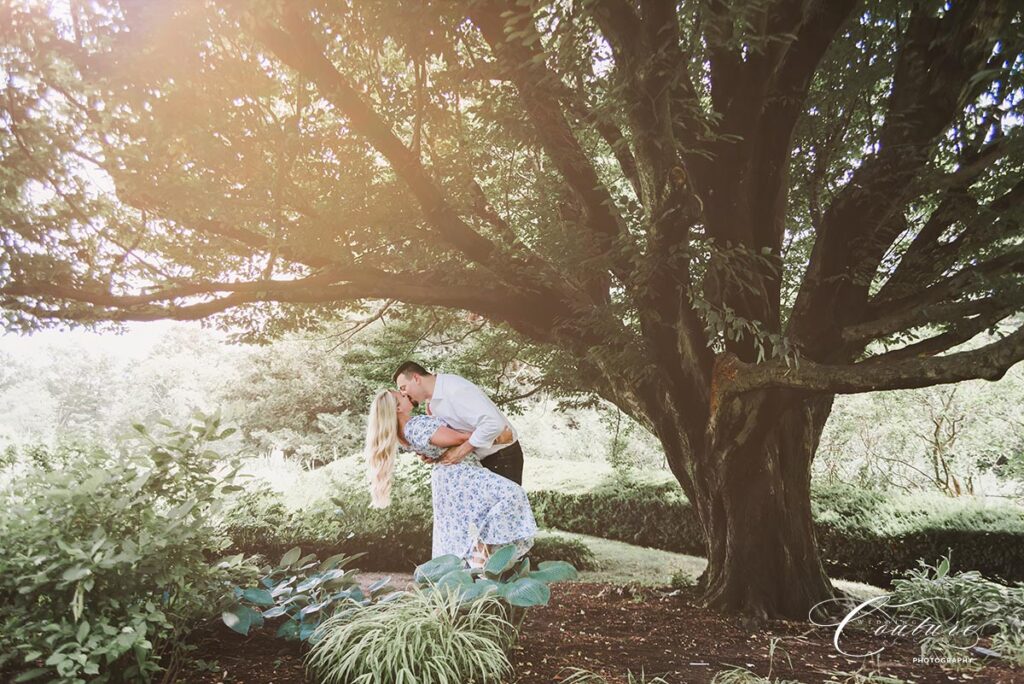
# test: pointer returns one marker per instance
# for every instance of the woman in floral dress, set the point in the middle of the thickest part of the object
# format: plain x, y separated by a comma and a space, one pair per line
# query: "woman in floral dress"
475, 510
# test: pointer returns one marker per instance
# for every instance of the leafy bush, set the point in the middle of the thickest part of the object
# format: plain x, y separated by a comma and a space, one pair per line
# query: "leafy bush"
104, 561
306, 596
649, 514
42, 457
681, 580
876, 537
421, 637
573, 551
255, 520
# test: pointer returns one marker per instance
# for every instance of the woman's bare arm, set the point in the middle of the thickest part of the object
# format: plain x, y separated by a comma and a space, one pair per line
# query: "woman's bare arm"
445, 436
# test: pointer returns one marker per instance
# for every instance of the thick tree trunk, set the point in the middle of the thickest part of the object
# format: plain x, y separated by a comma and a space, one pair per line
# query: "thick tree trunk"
750, 486
753, 497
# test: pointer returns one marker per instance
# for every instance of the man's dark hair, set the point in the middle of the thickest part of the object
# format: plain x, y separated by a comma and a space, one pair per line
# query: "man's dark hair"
408, 368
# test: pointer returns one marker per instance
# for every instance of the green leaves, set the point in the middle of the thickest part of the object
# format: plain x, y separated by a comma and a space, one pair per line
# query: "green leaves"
456, 579
242, 618
436, 568
261, 597
290, 557
427, 636
117, 542
296, 591
503, 575
554, 571
500, 560
525, 592
76, 573
339, 560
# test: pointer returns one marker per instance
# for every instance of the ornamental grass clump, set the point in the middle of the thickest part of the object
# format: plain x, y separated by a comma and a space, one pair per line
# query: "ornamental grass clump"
964, 606
421, 638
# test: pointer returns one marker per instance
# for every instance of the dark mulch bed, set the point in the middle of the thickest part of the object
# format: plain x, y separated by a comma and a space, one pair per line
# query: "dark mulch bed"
611, 630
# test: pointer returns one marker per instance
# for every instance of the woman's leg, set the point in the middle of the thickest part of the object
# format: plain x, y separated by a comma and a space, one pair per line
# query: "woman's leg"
479, 555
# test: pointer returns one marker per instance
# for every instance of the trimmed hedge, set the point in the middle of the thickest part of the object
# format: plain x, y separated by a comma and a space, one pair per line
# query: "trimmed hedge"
864, 536
397, 538
867, 536
653, 515
394, 538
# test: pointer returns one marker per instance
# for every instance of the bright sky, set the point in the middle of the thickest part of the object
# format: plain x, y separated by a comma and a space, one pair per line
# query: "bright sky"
136, 343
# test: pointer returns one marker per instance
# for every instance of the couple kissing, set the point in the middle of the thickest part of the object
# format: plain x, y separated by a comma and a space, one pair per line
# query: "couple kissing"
478, 501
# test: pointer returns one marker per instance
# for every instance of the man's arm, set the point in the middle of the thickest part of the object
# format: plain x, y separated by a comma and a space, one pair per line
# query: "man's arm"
473, 407
476, 409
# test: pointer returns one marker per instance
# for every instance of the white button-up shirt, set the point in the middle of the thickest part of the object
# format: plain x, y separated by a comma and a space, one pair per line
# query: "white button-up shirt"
464, 406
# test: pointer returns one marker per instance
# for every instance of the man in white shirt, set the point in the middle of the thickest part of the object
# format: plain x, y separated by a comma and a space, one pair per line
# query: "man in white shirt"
464, 406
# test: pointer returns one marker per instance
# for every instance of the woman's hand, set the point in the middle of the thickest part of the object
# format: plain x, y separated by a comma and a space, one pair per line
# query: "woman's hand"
455, 454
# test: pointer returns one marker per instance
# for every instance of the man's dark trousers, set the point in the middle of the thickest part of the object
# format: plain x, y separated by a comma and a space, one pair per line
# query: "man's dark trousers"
508, 463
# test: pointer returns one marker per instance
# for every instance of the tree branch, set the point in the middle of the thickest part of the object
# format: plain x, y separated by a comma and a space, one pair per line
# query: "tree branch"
298, 49
989, 362
926, 258
937, 313
964, 331
535, 316
970, 278
534, 81
938, 57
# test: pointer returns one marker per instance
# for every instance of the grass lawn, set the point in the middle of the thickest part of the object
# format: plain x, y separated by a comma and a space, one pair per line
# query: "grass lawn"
621, 563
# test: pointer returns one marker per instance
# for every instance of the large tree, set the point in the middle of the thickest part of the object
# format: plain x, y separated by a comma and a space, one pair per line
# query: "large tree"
716, 214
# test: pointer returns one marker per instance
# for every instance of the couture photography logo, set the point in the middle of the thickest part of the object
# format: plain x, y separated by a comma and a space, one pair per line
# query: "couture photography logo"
938, 624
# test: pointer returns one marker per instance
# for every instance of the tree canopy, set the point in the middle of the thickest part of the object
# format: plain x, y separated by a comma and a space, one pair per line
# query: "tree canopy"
566, 168
714, 214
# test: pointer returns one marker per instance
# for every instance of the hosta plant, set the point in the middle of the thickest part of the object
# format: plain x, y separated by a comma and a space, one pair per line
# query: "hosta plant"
305, 590
504, 576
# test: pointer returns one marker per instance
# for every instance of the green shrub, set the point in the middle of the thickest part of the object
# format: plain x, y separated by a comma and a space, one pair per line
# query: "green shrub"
394, 538
649, 514
256, 519
681, 580
514, 580
550, 547
875, 537
420, 637
104, 561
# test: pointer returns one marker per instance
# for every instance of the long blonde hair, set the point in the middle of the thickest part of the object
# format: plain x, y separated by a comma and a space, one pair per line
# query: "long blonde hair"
381, 447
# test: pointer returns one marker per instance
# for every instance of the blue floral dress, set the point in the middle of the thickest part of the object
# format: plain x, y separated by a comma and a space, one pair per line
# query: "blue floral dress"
466, 496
